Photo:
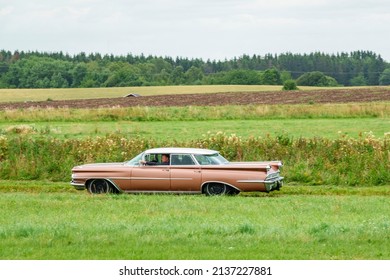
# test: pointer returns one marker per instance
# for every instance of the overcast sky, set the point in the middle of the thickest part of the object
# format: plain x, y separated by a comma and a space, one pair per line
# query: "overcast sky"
207, 29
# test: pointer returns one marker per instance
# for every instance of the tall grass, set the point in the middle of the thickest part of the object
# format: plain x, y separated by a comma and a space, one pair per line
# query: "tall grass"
184, 130
344, 161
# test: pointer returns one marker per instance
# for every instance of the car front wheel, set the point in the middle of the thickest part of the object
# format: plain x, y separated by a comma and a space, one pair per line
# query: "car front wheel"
98, 186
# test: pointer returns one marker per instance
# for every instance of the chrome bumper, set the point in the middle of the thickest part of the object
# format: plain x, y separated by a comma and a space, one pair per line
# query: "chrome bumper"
274, 183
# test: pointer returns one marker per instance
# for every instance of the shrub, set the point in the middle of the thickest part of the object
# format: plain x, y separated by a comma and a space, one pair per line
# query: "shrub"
316, 78
242, 77
290, 85
358, 81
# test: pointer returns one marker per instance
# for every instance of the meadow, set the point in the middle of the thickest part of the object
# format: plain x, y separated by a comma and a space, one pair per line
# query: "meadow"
334, 204
191, 122
184, 130
42, 220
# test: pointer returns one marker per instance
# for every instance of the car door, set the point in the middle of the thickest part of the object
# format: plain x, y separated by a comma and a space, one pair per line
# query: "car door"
150, 178
185, 173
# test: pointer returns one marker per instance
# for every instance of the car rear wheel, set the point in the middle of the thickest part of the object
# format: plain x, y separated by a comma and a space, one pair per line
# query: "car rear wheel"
215, 189
98, 186
232, 191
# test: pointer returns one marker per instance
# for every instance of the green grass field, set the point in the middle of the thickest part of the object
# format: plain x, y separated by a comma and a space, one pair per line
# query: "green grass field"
191, 130
42, 220
174, 123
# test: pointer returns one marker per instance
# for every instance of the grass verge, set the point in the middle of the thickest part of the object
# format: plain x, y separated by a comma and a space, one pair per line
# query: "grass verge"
295, 223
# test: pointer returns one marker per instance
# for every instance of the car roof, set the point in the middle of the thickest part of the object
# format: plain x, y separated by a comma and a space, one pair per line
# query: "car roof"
175, 150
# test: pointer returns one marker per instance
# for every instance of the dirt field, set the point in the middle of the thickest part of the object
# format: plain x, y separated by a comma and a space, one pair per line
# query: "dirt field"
373, 94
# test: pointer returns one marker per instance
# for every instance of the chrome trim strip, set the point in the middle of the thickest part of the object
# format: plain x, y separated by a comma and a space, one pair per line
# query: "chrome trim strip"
276, 179
95, 177
143, 191
148, 178
115, 185
152, 179
251, 181
132, 178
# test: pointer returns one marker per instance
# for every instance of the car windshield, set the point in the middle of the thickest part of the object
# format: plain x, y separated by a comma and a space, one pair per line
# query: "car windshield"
135, 161
215, 159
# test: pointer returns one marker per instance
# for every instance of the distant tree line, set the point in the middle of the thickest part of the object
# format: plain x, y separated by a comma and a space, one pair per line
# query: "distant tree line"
59, 70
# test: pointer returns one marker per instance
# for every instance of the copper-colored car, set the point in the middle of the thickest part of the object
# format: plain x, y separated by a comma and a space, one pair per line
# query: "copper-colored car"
179, 170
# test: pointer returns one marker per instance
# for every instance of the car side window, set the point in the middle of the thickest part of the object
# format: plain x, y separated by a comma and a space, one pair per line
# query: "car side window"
152, 157
203, 160
181, 159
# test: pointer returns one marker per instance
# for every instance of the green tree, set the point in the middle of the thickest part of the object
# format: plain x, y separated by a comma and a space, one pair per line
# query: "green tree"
385, 77
358, 81
96, 75
163, 78
242, 77
194, 75
271, 77
41, 69
316, 78
79, 73
30, 72
58, 81
177, 75
285, 75
123, 74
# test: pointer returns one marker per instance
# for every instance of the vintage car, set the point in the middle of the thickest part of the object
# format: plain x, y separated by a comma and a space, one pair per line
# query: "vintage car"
178, 170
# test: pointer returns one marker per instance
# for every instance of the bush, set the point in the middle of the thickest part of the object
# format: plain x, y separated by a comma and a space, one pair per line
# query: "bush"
316, 78
358, 81
290, 85
242, 77
344, 161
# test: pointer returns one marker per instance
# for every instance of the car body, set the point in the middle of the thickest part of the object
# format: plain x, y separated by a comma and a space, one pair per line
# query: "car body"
190, 170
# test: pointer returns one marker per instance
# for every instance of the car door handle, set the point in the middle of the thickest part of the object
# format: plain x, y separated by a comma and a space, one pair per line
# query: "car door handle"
197, 171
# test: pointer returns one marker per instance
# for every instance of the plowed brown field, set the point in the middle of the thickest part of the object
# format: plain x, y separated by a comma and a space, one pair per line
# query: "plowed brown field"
372, 94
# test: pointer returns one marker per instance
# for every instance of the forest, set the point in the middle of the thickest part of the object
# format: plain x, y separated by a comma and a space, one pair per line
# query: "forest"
33, 69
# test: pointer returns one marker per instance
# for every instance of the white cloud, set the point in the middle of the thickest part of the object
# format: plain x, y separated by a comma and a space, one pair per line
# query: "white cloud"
6, 11
204, 28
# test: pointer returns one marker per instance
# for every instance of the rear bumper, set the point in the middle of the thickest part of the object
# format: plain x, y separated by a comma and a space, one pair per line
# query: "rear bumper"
274, 184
